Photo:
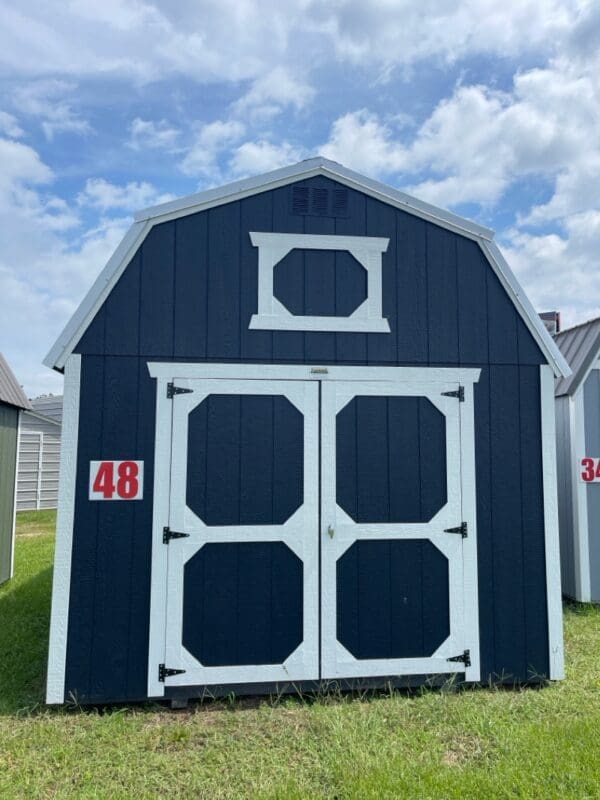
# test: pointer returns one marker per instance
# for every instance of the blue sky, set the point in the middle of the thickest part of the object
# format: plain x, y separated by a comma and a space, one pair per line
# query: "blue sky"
490, 109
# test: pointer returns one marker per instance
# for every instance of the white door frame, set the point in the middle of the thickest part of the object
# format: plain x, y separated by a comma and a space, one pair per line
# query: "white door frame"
165, 372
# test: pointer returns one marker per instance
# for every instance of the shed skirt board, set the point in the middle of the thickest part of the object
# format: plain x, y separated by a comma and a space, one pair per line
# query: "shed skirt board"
319, 530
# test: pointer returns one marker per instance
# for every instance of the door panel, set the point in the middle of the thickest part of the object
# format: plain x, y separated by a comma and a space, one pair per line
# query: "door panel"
392, 577
242, 596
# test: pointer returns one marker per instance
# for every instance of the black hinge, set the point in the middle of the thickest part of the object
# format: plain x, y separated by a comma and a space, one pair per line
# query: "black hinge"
168, 534
462, 529
465, 657
172, 390
460, 393
166, 672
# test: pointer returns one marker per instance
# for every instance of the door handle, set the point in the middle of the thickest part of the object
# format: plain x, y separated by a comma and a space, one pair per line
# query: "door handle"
330, 531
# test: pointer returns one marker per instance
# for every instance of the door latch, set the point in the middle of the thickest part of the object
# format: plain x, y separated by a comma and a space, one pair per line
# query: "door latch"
330, 531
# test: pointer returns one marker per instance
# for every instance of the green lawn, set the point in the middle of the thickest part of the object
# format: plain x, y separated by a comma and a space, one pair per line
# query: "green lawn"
434, 744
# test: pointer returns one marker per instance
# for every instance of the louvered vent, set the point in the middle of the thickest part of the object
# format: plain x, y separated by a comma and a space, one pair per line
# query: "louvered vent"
339, 205
319, 202
300, 200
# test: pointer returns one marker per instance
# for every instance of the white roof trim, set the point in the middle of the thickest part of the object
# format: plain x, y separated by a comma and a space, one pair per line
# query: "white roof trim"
308, 169
101, 288
145, 220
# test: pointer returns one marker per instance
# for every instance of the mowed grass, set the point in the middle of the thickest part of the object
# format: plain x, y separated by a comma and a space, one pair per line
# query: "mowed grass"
483, 743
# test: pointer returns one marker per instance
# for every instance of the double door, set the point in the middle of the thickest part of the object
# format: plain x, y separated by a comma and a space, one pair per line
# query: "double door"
315, 531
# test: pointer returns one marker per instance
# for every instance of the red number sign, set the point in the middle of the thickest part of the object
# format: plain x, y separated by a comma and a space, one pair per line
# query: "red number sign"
116, 480
590, 469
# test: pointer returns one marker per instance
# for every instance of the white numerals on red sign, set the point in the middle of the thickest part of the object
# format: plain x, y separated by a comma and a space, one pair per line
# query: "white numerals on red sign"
590, 470
116, 480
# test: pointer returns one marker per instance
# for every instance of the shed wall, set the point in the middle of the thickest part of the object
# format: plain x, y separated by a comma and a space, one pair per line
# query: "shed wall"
9, 423
591, 405
188, 294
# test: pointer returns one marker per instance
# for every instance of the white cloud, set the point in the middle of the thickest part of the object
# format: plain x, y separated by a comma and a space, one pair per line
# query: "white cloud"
105, 196
9, 126
272, 92
147, 134
560, 271
252, 158
361, 140
211, 140
403, 32
45, 99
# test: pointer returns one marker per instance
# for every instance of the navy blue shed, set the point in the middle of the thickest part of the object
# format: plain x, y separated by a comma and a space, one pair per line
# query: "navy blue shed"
308, 437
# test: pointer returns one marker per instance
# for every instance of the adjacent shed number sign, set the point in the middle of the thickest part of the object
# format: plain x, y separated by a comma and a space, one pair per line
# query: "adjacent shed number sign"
590, 470
116, 480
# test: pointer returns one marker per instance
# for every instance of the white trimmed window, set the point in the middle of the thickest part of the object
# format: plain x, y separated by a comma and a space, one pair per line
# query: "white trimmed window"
273, 315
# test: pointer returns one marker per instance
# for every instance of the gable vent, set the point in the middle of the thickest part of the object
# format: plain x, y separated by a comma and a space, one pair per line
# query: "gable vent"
339, 204
319, 202
300, 200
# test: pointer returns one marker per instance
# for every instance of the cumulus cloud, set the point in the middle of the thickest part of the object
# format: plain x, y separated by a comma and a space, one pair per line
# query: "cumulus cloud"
210, 141
45, 99
273, 92
105, 196
9, 126
251, 158
149, 135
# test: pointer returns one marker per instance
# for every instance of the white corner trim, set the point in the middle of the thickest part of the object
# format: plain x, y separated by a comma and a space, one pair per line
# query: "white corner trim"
553, 582
273, 315
581, 544
14, 515
468, 477
61, 583
528, 314
101, 288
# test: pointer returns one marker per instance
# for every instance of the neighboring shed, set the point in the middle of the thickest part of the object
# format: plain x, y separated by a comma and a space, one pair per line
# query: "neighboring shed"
39, 455
308, 437
12, 403
578, 452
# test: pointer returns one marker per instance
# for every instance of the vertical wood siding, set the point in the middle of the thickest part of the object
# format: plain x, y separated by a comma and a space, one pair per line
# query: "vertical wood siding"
188, 294
9, 421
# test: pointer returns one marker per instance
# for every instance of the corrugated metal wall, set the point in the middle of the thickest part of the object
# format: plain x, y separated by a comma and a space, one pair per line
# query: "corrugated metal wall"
39, 457
49, 405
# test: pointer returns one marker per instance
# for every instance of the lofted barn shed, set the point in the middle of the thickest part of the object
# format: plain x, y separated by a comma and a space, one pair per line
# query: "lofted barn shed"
308, 436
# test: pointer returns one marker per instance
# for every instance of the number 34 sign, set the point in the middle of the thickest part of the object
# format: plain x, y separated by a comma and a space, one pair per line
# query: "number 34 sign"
116, 480
590, 470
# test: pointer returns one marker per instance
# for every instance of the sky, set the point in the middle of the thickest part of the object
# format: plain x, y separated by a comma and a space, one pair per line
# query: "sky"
489, 109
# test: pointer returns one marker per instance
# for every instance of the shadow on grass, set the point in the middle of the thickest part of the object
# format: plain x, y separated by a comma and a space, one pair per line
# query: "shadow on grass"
24, 625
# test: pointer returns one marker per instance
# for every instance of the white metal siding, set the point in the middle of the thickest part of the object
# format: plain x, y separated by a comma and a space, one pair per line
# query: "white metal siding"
565, 496
39, 456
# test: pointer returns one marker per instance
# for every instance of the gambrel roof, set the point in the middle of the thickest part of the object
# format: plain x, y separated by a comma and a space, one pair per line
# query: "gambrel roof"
145, 220
580, 346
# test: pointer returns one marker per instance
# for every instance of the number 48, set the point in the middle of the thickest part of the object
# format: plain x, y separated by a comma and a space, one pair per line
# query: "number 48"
126, 485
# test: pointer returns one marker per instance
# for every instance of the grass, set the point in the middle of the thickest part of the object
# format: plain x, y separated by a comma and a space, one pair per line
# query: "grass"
483, 743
